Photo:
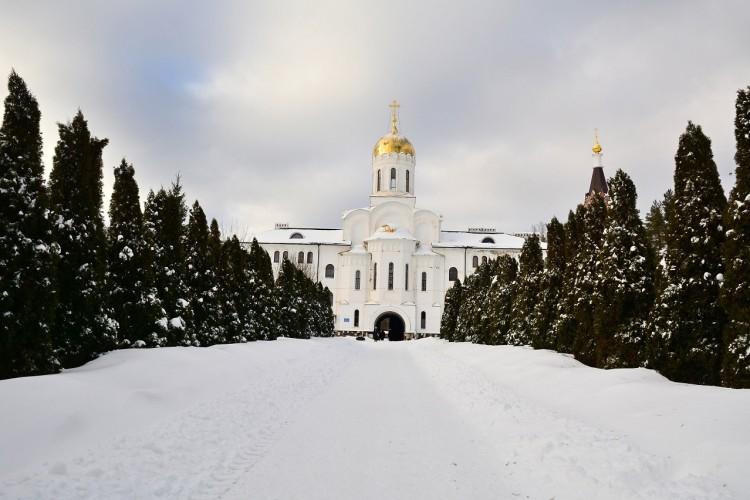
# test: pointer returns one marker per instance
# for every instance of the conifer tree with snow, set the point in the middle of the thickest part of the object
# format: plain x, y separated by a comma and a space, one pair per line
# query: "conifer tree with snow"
27, 294
564, 326
687, 321
450, 311
238, 283
581, 294
264, 308
83, 324
475, 310
290, 303
500, 295
735, 291
165, 215
132, 296
525, 320
625, 284
552, 279
202, 281
216, 333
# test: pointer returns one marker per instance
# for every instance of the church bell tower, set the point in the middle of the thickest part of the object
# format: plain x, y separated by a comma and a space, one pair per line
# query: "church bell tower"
393, 165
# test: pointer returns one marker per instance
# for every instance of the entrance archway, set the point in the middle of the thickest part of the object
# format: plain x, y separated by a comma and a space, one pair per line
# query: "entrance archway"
391, 325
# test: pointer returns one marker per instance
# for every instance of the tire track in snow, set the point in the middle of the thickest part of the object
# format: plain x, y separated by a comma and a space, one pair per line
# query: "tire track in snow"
548, 455
198, 453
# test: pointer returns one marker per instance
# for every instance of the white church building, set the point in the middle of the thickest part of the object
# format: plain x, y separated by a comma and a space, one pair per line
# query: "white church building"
391, 262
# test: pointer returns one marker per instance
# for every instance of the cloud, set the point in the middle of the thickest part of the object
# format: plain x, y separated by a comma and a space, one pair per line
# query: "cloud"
269, 110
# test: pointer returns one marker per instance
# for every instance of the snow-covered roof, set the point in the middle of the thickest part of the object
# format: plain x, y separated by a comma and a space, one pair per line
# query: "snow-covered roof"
390, 232
462, 239
302, 236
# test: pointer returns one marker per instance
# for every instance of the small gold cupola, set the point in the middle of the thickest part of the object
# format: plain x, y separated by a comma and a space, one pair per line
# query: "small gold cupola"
597, 149
393, 142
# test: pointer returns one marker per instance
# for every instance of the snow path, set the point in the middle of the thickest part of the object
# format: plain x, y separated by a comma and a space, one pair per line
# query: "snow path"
339, 419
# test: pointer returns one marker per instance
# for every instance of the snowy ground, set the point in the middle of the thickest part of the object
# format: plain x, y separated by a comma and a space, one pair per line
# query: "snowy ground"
340, 419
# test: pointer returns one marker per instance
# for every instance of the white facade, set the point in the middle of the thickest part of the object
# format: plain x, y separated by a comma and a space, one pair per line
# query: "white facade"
391, 259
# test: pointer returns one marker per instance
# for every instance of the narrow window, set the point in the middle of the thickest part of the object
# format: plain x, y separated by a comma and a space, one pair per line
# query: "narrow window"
475, 261
309, 257
390, 276
452, 274
329, 271
357, 278
301, 258
356, 317
276, 256
378, 180
424, 282
484, 259
286, 255
375, 276
423, 320
406, 277
393, 179
407, 182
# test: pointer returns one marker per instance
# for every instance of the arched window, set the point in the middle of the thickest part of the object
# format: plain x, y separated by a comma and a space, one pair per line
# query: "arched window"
390, 276
301, 258
375, 276
407, 182
329, 271
406, 277
296, 236
309, 257
484, 259
285, 255
475, 261
276, 256
356, 317
378, 180
452, 274
357, 279
424, 281
488, 240
393, 179
423, 320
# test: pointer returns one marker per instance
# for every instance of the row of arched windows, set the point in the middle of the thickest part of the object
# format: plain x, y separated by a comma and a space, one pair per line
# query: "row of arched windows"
303, 259
475, 260
300, 257
393, 181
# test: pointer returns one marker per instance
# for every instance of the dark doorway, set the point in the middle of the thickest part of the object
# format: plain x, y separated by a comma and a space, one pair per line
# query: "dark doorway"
392, 325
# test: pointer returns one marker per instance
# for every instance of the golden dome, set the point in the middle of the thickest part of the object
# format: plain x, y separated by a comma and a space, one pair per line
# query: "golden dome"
597, 147
393, 142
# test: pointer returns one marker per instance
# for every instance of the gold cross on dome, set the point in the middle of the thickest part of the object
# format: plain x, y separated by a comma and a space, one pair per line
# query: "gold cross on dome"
394, 116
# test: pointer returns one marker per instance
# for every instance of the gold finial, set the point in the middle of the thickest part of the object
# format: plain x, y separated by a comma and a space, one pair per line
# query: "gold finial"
394, 116
597, 147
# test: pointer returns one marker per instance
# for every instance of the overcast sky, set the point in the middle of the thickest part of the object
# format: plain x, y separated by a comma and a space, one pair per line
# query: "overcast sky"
269, 110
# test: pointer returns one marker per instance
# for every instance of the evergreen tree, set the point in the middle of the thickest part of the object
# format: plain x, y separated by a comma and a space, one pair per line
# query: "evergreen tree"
216, 324
84, 327
625, 284
263, 302
564, 327
291, 315
656, 222
165, 226
475, 311
132, 295
735, 292
576, 321
525, 319
552, 280
687, 321
202, 281
450, 311
237, 284
27, 299
500, 295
